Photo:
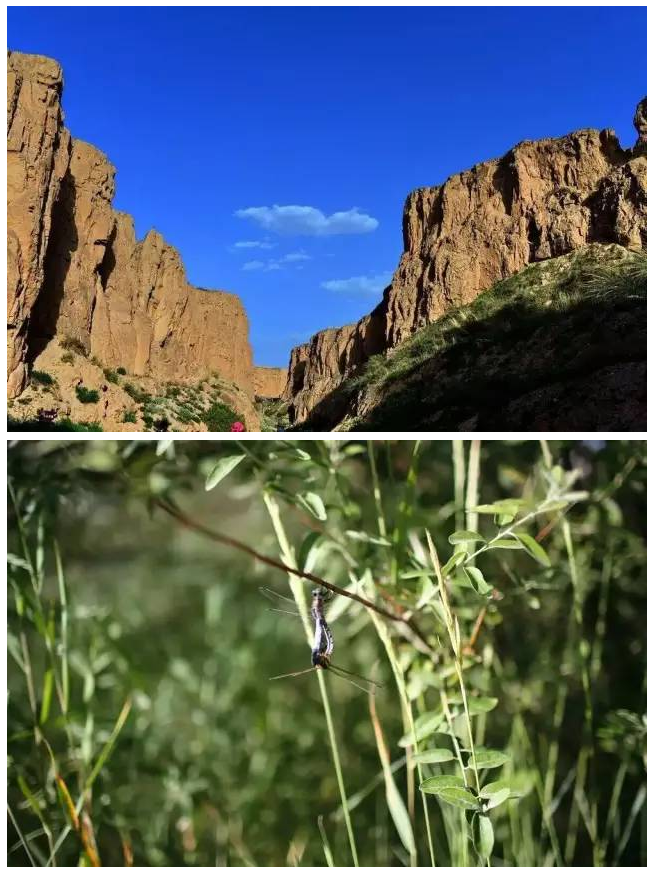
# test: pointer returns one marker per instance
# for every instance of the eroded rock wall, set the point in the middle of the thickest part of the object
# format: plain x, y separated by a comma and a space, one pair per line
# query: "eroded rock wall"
38, 147
541, 200
269, 381
76, 270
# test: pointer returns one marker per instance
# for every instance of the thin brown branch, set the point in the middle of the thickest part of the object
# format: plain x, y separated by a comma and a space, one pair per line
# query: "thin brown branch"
192, 524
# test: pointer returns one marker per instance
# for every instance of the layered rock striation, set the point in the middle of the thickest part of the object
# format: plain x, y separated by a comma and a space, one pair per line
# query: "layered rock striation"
541, 200
76, 271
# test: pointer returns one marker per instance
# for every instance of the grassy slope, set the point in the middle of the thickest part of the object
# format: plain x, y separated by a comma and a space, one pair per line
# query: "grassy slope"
562, 344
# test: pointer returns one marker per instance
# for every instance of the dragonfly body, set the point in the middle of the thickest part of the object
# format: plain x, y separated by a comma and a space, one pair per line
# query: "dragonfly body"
323, 644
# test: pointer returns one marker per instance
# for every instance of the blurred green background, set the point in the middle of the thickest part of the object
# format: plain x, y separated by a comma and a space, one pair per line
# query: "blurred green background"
215, 764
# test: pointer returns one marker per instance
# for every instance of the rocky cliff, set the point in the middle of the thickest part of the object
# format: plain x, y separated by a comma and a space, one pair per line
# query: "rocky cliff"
269, 382
76, 272
541, 200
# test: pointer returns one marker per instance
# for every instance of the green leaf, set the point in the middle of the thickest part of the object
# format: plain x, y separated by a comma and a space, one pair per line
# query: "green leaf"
435, 755
458, 796
440, 782
487, 758
534, 548
224, 467
465, 536
314, 505
483, 836
497, 798
307, 544
46, 697
425, 726
457, 558
479, 705
477, 580
360, 536
500, 507
506, 543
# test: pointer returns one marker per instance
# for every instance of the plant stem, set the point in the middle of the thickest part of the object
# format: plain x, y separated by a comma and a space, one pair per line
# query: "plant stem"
289, 557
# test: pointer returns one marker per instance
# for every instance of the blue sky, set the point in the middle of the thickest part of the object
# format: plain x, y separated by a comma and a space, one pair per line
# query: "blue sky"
274, 147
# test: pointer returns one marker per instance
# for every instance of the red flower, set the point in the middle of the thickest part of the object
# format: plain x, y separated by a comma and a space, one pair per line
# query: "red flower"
237, 427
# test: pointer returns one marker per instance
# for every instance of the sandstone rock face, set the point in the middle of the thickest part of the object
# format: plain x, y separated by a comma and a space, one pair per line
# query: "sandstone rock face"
38, 149
541, 200
76, 271
269, 382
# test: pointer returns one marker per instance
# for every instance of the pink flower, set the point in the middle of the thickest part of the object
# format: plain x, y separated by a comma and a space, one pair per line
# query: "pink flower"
237, 427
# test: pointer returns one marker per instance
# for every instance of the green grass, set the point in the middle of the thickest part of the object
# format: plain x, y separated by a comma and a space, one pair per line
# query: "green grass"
516, 305
86, 395
553, 322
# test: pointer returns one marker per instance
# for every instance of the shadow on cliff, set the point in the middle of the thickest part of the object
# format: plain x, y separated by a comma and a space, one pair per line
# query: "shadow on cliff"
63, 241
524, 368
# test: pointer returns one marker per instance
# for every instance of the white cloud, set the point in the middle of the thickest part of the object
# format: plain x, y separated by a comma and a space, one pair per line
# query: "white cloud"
279, 263
254, 243
308, 221
359, 284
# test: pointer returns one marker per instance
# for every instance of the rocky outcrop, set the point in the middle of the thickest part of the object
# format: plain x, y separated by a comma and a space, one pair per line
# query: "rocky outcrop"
37, 159
269, 382
76, 272
541, 200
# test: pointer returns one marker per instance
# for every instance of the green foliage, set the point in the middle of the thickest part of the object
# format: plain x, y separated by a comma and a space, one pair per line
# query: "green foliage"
62, 424
521, 710
42, 378
111, 376
573, 314
68, 357
129, 417
138, 395
219, 417
86, 395
121, 370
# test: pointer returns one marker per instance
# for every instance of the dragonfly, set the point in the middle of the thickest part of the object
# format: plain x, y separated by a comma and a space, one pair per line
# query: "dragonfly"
323, 644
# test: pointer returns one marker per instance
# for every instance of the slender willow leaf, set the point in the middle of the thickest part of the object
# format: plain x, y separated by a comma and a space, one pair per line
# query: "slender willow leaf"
314, 505
224, 467
465, 536
534, 548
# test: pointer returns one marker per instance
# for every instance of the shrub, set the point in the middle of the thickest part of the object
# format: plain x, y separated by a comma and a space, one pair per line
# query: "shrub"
136, 393
43, 378
161, 425
69, 357
219, 417
110, 375
129, 417
72, 344
121, 370
64, 424
86, 395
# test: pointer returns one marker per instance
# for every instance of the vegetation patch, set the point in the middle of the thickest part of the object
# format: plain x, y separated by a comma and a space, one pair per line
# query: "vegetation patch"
70, 343
43, 378
219, 417
86, 395
129, 417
